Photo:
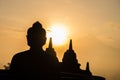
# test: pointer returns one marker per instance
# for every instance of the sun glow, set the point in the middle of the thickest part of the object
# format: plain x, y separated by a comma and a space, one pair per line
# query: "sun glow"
59, 34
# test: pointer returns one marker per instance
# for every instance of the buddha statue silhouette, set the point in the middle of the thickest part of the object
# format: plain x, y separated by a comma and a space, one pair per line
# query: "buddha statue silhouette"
34, 63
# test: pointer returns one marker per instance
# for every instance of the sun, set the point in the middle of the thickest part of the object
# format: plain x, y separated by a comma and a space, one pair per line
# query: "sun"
59, 34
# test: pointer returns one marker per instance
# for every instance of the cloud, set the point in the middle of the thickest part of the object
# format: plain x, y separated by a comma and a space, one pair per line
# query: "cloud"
114, 25
12, 29
17, 29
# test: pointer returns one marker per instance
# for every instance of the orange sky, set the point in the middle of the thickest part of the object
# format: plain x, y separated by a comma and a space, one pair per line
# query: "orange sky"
94, 26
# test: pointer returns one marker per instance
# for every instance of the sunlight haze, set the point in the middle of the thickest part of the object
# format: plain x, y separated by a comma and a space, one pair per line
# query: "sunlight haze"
59, 34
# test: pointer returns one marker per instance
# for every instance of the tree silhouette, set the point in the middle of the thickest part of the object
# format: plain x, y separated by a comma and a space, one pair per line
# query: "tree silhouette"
7, 66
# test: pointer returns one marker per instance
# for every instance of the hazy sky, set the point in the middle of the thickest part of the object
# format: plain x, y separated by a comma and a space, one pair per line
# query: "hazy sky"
94, 26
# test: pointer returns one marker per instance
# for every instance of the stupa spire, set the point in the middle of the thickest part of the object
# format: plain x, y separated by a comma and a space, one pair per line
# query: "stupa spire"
70, 45
87, 67
50, 43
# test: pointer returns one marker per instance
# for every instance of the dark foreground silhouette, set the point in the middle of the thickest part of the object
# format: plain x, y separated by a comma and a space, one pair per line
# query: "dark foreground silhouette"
37, 64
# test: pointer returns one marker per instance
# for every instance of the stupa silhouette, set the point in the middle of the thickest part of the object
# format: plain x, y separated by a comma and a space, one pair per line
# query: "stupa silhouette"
69, 61
70, 68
